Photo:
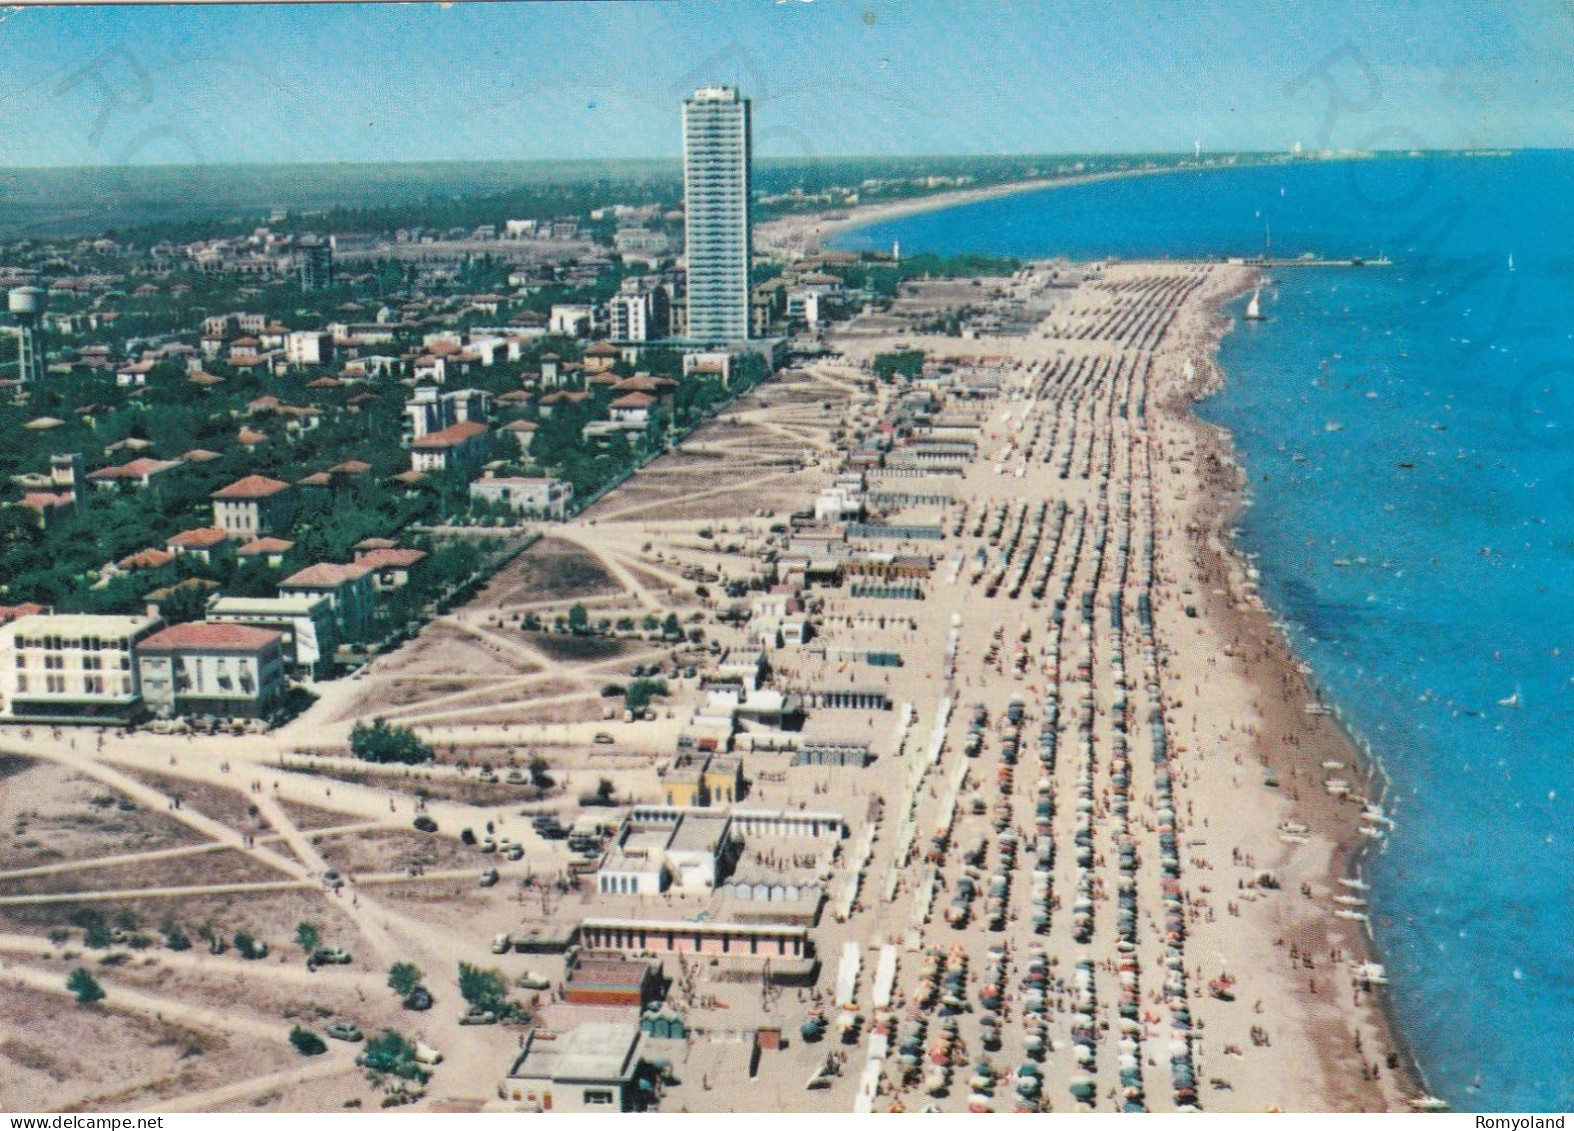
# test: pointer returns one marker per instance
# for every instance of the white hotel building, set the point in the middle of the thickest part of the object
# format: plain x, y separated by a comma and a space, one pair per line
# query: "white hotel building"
717, 199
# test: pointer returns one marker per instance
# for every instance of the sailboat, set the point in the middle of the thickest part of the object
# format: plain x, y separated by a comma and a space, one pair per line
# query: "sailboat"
1511, 261
1254, 308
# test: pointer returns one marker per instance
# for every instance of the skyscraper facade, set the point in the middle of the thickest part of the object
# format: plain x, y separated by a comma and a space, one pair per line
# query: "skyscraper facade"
717, 198
316, 259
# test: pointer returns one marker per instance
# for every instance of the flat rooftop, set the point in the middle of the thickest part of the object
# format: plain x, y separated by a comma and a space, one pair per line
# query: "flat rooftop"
81, 626
598, 1050
699, 832
293, 605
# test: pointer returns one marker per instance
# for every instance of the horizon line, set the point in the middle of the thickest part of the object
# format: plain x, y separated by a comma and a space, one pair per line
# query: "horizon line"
798, 159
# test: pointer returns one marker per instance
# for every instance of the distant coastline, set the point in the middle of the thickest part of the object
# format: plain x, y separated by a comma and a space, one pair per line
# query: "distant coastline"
808, 232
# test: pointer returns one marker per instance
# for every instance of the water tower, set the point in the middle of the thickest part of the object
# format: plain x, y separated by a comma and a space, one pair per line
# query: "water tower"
26, 305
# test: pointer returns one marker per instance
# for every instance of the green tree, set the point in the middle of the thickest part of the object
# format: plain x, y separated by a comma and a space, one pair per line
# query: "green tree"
383, 743
246, 943
403, 978
640, 693
392, 1055
670, 628
185, 603
578, 619
904, 363
308, 936
85, 986
306, 1042
539, 777
483, 989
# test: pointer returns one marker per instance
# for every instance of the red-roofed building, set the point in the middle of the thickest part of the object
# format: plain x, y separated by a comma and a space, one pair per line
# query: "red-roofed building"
524, 431
49, 506
459, 447
206, 543
270, 550
612, 979
252, 506
133, 375
601, 356
9, 613
229, 671
632, 408
349, 590
390, 567
137, 473
151, 558
562, 397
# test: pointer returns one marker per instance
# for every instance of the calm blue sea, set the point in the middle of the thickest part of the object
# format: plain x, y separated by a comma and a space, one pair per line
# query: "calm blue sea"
1408, 432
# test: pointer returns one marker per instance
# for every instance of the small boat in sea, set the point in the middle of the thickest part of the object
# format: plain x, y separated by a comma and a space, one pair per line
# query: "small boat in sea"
1429, 1103
1254, 307
1514, 702
1346, 913
1353, 884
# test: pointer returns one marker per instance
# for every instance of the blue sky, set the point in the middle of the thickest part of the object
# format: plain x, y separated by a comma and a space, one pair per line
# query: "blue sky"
113, 85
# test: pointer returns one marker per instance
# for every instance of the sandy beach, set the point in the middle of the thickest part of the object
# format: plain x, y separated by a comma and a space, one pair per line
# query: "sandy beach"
1265, 845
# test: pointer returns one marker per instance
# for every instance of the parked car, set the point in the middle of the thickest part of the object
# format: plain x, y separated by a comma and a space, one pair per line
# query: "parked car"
604, 739
489, 878
467, 836
344, 1031
502, 944
420, 998
330, 956
531, 980
516, 852
477, 1016
426, 1054
425, 824
332, 880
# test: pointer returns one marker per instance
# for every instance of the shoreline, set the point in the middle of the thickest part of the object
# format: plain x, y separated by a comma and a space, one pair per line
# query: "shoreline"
1230, 684
801, 234
1224, 495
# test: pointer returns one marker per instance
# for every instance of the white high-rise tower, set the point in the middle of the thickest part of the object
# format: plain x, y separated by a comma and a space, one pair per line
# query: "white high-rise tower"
717, 200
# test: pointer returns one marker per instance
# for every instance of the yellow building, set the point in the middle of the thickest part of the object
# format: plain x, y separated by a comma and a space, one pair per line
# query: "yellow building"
723, 781
699, 781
